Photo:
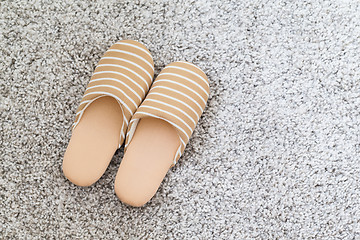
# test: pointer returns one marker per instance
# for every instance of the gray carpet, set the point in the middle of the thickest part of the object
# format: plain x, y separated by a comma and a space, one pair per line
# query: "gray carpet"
274, 156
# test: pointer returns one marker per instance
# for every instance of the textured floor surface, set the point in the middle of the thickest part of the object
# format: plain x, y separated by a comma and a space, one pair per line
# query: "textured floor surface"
276, 154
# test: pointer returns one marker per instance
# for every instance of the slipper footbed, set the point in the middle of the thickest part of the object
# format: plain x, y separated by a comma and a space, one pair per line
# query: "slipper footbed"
93, 142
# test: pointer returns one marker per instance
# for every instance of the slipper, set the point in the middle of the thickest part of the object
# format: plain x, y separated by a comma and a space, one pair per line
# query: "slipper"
116, 89
159, 131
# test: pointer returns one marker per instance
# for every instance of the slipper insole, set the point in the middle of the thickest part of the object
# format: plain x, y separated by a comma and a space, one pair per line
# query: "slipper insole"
146, 161
93, 142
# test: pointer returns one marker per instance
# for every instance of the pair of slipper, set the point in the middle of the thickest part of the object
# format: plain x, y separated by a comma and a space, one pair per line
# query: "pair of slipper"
154, 118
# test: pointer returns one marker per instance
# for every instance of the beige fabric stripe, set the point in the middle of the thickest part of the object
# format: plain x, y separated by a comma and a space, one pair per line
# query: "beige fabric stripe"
125, 72
119, 70
177, 102
182, 87
130, 55
189, 71
124, 62
119, 84
127, 78
136, 51
193, 68
116, 56
178, 95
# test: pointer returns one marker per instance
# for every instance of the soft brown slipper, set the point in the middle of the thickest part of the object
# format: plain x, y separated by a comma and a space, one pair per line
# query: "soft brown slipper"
117, 87
159, 131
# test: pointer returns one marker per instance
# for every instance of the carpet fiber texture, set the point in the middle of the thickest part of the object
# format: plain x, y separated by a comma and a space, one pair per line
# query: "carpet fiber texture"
274, 156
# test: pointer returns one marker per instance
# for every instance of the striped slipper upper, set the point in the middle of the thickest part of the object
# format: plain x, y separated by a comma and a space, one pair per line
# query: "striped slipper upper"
177, 96
125, 72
